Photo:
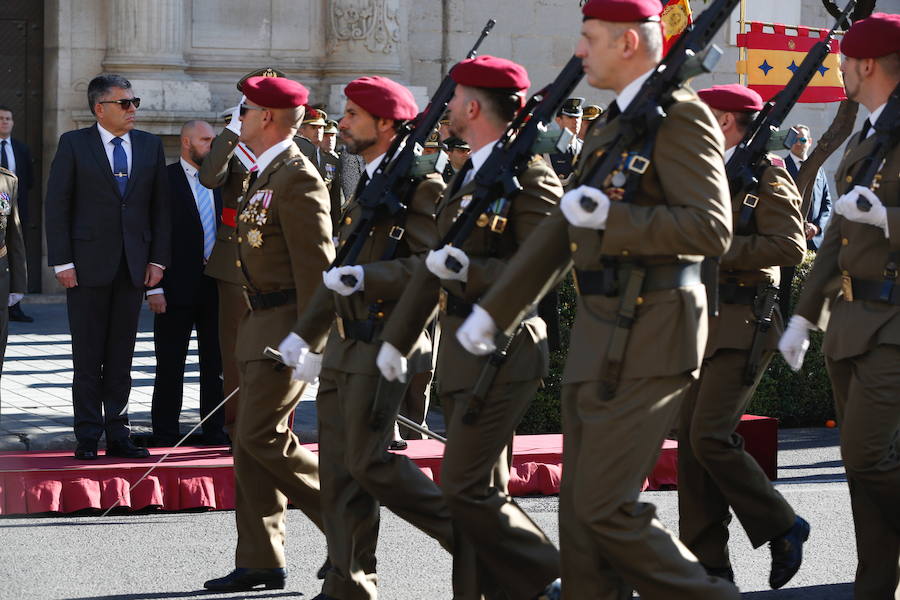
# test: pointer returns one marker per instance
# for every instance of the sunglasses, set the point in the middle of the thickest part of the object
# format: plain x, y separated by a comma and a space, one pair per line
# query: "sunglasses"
245, 108
803, 140
125, 103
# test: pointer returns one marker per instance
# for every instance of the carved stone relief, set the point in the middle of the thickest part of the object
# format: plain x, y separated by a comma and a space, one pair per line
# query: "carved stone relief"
373, 23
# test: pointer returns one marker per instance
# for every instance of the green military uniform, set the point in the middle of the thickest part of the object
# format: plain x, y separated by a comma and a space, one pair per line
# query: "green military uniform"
520, 558
284, 244
357, 472
331, 173
13, 276
862, 353
611, 542
714, 470
222, 169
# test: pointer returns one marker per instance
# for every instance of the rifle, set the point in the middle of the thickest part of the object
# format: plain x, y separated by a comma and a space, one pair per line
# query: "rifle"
763, 324
745, 166
642, 117
887, 132
393, 180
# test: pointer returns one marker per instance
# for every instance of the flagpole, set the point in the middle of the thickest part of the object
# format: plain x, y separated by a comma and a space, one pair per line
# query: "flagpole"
742, 77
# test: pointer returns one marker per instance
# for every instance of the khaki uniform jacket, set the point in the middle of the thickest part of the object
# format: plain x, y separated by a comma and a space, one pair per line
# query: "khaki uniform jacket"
222, 169
296, 247
384, 281
331, 173
777, 240
680, 213
488, 253
11, 232
861, 252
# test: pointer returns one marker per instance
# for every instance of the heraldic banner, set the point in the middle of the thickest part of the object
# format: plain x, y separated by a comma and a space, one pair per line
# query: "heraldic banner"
773, 56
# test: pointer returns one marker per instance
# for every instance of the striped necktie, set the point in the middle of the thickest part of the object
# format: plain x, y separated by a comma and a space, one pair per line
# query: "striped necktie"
120, 165
207, 217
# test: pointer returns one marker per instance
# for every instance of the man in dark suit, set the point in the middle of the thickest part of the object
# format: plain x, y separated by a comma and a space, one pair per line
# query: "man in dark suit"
15, 156
186, 298
108, 238
817, 216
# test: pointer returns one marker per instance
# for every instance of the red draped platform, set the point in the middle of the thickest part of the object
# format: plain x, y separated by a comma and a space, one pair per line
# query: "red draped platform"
190, 478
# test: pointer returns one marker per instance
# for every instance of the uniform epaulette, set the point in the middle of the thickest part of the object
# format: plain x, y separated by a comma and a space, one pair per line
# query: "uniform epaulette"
776, 161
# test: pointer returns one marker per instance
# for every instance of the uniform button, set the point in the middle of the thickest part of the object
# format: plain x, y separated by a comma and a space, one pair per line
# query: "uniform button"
348, 220
624, 252
639, 300
845, 273
380, 315
849, 179
240, 240
844, 241
573, 247
237, 263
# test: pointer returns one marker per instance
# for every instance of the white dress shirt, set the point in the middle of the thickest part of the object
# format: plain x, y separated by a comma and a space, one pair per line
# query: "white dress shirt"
264, 159
630, 91
873, 118
10, 155
478, 158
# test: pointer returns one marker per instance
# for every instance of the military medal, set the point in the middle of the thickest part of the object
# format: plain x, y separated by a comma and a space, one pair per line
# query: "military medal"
465, 200
254, 238
482, 220
618, 179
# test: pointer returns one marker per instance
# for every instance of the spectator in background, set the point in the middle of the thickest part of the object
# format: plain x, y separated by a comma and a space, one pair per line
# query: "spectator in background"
108, 239
568, 117
331, 169
591, 113
15, 156
816, 217
187, 298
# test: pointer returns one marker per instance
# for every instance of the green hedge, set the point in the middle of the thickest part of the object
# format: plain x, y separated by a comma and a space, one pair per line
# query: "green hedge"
796, 399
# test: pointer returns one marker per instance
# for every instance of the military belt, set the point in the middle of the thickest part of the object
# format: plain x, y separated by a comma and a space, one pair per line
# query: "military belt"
876, 291
732, 293
363, 330
605, 282
269, 299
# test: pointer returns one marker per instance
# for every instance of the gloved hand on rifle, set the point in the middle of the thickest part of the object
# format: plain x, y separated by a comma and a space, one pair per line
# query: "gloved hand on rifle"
794, 342
436, 261
876, 215
295, 353
339, 279
477, 332
573, 207
391, 363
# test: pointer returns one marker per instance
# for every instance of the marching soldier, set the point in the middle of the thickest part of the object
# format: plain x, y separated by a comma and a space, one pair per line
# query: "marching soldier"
625, 376
12, 252
283, 243
862, 340
714, 470
227, 166
357, 471
518, 557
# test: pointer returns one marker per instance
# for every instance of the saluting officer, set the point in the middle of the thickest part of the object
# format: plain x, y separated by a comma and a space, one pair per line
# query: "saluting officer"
518, 556
623, 387
228, 166
714, 470
284, 242
12, 252
862, 341
357, 471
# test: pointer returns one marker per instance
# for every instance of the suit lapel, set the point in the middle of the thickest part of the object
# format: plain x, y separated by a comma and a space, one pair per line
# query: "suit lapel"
188, 195
95, 143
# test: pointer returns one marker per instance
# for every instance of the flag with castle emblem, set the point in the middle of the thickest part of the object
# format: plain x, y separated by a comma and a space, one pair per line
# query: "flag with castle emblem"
675, 16
774, 52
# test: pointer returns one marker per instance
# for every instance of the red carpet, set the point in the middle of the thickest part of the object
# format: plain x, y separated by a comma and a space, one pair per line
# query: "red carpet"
36, 482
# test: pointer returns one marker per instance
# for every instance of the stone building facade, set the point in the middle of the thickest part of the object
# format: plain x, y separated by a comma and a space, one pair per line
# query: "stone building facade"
184, 56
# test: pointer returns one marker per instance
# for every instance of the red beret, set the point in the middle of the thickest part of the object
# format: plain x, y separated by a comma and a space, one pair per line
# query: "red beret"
622, 11
731, 98
382, 97
275, 92
491, 72
872, 37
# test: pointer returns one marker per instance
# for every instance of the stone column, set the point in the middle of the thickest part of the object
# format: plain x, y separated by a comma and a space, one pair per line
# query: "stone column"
146, 38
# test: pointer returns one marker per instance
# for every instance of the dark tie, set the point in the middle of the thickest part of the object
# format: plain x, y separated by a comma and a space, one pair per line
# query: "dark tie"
252, 179
613, 111
3, 160
363, 180
120, 165
461, 176
867, 125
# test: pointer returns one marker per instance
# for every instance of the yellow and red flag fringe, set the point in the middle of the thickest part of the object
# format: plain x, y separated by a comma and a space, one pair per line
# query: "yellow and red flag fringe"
675, 16
773, 56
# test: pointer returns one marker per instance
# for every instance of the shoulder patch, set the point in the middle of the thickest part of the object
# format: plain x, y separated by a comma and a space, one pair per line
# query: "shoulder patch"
776, 161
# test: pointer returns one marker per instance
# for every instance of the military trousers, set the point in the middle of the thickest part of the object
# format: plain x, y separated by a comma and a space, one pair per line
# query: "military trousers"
610, 542
358, 474
714, 470
271, 468
514, 554
231, 308
867, 400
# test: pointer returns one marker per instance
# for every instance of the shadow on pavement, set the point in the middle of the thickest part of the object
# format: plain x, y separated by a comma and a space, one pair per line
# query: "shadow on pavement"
193, 594
836, 591
801, 439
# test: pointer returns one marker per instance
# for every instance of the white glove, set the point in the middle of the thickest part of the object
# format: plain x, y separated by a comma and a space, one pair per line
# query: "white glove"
308, 366
477, 332
436, 261
235, 123
291, 347
333, 277
575, 213
875, 216
391, 363
15, 298
794, 341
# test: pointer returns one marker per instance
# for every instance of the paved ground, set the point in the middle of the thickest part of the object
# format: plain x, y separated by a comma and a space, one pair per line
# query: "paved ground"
35, 389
